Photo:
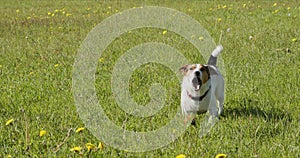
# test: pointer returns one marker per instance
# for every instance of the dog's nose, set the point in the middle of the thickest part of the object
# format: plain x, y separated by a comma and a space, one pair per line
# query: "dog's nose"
197, 73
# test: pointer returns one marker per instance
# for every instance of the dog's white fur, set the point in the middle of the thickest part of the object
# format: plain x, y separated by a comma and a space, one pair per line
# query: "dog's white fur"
213, 87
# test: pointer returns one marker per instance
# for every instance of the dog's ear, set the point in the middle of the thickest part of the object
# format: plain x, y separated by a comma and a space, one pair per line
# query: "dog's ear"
205, 72
184, 69
204, 68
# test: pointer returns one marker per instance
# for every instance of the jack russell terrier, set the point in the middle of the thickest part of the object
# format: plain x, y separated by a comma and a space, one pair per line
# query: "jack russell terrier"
202, 88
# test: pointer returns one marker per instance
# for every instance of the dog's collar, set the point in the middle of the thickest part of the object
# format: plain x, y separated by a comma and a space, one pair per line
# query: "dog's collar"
198, 98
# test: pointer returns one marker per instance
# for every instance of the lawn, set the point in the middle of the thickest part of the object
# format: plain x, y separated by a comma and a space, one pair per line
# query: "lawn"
39, 45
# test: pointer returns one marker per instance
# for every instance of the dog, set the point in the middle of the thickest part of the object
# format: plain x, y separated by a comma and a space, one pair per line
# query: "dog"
202, 88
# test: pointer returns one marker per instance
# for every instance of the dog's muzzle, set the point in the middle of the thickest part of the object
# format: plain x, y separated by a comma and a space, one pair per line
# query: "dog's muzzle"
197, 82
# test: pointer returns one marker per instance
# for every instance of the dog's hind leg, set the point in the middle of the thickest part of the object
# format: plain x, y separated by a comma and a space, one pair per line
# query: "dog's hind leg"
221, 103
212, 108
220, 96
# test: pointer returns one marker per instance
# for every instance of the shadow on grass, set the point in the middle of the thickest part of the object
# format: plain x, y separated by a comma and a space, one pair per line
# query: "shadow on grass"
252, 108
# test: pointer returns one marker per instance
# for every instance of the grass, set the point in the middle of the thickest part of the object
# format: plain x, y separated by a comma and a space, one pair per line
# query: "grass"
39, 42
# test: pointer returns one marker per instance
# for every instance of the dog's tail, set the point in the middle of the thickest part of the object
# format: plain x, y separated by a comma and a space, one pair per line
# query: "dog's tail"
213, 58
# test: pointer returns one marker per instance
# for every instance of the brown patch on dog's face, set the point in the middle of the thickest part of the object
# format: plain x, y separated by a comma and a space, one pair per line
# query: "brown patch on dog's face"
187, 69
193, 67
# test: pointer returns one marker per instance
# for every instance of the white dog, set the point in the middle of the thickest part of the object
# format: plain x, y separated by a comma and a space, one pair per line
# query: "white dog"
202, 88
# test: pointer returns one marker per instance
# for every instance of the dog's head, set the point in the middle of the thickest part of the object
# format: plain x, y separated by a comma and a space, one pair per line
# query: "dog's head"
196, 75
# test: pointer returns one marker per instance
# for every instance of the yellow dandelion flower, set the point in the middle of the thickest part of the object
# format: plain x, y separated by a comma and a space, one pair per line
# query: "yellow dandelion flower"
294, 40
181, 156
63, 12
210, 9
288, 8
17, 10
0, 66
275, 11
224, 7
101, 60
56, 65
88, 9
9, 122
79, 129
8, 156
275, 4
201, 38
164, 32
90, 146
42, 133
221, 156
109, 7
52, 14
76, 149
219, 19
101, 145
68, 14
31, 73
244, 5
28, 18
49, 13
56, 10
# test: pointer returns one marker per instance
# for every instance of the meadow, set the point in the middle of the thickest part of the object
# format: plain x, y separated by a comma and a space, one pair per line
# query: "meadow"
40, 40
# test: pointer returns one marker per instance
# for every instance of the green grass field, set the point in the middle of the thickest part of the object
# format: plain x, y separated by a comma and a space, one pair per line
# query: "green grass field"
40, 39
